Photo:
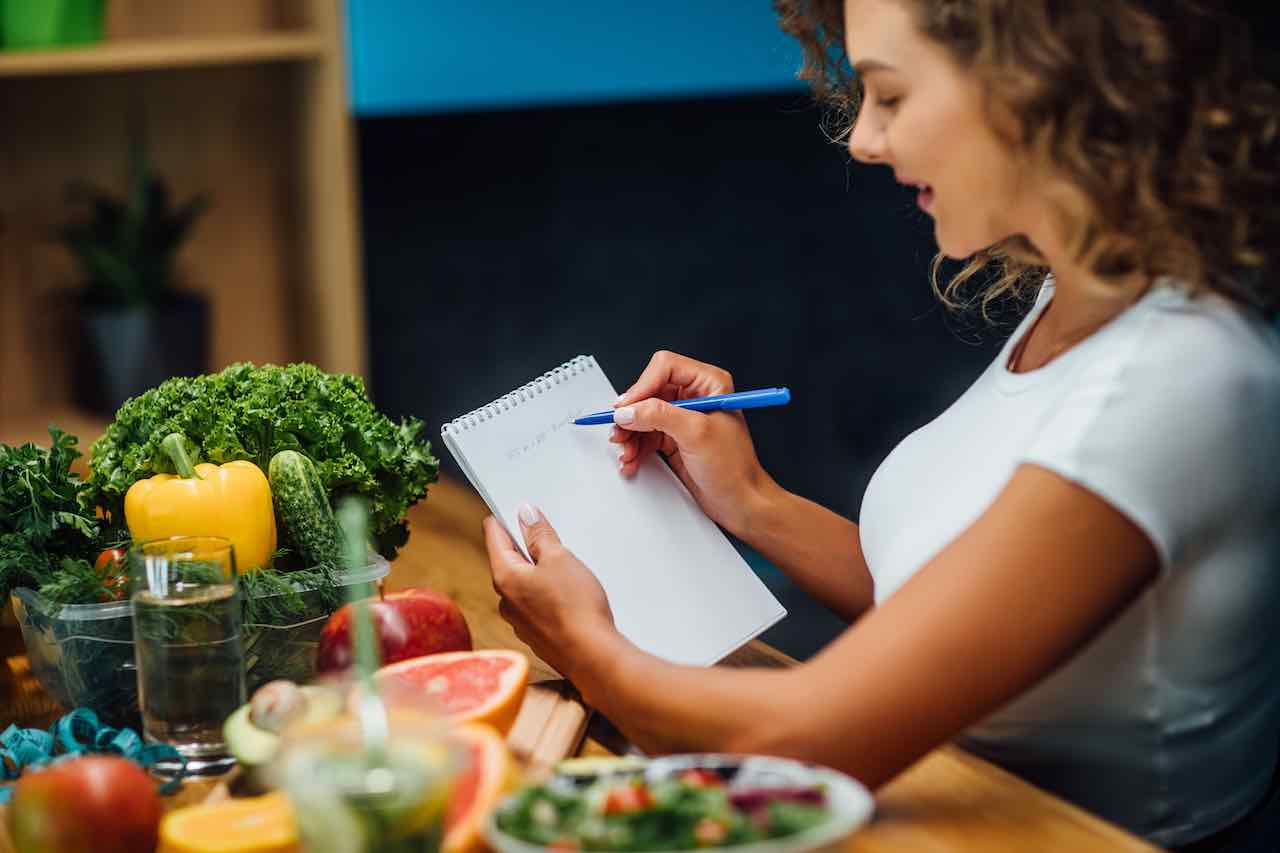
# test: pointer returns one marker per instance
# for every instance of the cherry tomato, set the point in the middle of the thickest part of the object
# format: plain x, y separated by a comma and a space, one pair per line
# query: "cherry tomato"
106, 558
625, 799
709, 832
700, 777
110, 565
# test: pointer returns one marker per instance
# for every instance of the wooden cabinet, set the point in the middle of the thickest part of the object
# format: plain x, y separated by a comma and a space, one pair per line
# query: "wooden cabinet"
244, 98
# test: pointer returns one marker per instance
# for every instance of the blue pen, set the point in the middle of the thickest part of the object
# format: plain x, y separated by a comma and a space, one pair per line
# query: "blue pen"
719, 403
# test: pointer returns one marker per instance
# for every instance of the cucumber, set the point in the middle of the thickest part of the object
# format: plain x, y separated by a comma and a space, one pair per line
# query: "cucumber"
302, 506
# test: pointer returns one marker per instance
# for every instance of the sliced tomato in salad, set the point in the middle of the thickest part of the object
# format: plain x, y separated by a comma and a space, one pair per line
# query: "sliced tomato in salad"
624, 799
700, 777
709, 832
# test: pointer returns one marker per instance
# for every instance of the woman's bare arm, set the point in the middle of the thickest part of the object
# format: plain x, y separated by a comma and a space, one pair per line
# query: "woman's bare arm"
1038, 575
815, 547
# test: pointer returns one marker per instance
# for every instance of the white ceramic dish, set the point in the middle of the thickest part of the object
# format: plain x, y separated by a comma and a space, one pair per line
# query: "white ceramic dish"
849, 802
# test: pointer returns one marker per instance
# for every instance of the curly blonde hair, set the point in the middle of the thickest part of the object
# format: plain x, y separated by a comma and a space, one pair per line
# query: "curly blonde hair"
1152, 110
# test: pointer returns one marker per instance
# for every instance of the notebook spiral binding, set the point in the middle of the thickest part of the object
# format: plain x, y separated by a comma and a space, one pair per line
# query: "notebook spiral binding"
520, 395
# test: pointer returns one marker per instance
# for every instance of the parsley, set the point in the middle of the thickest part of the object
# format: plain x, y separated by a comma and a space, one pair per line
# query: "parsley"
49, 533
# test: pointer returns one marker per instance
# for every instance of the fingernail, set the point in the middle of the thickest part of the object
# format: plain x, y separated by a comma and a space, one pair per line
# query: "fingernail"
625, 415
529, 514
621, 397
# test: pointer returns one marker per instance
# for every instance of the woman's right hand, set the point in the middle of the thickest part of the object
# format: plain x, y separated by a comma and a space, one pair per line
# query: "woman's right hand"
711, 452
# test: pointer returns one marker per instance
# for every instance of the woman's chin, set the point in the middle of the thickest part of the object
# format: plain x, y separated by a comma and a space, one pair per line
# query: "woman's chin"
953, 248
954, 251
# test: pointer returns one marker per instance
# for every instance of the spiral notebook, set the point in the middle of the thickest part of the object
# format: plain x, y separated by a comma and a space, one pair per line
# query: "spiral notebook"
678, 588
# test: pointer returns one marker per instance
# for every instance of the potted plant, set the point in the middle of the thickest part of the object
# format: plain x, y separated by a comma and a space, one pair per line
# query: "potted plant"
51, 23
137, 328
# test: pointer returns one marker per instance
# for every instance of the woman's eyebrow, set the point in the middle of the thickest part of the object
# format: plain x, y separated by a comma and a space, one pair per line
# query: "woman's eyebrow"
866, 66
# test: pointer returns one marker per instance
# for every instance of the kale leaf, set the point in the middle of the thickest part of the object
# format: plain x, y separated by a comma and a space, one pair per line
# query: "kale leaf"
253, 412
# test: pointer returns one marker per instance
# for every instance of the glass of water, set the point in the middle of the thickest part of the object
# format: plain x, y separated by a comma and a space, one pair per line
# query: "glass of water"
186, 634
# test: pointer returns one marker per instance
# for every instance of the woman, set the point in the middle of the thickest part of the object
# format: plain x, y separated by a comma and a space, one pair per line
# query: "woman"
1073, 568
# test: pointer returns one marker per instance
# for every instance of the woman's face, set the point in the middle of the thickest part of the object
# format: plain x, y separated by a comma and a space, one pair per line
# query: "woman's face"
924, 117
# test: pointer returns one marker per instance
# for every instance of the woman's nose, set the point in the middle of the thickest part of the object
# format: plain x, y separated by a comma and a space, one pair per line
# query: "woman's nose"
866, 142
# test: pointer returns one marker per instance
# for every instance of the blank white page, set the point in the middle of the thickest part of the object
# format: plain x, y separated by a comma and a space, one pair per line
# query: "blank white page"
677, 587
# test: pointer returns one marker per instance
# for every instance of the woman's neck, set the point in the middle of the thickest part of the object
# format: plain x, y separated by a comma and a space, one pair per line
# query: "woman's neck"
1081, 305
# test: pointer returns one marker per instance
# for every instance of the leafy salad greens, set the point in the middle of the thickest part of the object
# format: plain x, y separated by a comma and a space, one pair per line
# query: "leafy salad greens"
253, 412
690, 811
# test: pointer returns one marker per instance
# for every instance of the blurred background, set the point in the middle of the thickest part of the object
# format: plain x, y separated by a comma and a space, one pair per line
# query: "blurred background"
449, 199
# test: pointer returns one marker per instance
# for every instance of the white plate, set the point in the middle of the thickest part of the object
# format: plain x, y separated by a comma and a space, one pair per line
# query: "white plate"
848, 801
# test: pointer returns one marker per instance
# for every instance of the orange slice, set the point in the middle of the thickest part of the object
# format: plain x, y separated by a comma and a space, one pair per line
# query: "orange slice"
251, 825
484, 686
490, 773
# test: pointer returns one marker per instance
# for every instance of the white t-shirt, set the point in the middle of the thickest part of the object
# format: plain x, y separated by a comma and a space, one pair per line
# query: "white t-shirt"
1166, 723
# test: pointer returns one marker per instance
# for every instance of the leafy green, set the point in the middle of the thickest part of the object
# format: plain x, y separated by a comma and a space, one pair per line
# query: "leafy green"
48, 530
676, 816
276, 597
251, 412
789, 818
74, 582
284, 613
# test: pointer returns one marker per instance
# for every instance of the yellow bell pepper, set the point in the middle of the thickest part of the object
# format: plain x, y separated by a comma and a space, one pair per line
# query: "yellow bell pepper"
232, 501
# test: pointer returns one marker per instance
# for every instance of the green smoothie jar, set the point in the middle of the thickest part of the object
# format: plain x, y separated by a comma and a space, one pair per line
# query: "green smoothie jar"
352, 798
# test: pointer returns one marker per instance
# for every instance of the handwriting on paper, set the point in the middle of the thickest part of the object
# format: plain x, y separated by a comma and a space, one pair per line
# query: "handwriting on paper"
542, 436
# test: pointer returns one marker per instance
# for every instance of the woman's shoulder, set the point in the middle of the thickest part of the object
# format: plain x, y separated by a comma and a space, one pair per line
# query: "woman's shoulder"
1179, 376
1201, 343
1172, 417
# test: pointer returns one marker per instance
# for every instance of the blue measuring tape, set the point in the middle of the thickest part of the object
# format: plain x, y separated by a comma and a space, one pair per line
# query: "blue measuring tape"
80, 733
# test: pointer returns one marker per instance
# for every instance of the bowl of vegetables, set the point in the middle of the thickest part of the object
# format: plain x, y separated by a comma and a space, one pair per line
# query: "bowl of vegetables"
83, 656
258, 455
739, 803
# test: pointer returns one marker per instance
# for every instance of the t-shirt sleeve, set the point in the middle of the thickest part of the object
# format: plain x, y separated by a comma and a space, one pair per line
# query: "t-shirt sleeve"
1168, 428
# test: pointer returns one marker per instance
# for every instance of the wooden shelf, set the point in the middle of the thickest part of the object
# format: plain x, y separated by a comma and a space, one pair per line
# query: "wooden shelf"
152, 54
266, 129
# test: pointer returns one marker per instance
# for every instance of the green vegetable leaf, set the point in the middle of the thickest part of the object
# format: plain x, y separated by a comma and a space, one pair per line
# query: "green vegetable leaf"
74, 582
253, 412
45, 517
21, 562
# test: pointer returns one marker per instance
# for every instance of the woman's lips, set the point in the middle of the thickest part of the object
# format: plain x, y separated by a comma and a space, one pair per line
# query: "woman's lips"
925, 196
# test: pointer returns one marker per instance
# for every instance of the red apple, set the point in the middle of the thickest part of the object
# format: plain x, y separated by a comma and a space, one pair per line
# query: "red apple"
106, 804
409, 623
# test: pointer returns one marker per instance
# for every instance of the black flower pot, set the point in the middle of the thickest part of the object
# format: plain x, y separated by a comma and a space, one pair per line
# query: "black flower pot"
129, 350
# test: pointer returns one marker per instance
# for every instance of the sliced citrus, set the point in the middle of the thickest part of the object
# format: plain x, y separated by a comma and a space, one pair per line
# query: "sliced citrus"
251, 825
490, 772
484, 686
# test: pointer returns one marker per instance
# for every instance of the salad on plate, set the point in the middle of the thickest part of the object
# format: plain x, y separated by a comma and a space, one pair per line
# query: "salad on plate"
683, 803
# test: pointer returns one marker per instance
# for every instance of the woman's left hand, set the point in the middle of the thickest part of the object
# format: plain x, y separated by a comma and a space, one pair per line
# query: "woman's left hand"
554, 604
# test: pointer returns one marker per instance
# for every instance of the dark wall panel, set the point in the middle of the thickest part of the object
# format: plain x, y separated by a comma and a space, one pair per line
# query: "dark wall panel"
500, 244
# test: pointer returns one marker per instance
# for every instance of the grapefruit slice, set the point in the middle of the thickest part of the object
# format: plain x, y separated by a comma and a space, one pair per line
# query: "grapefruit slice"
485, 686
490, 773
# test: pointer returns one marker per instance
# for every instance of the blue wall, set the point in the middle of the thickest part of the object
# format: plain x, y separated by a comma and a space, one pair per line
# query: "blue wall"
419, 56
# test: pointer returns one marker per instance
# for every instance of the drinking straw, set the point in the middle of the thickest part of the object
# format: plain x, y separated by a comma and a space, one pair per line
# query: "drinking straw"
353, 519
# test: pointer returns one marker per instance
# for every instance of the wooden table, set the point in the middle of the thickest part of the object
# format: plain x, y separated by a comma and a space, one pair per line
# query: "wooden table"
948, 801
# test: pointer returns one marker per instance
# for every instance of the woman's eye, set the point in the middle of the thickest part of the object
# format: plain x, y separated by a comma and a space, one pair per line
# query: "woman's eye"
888, 103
